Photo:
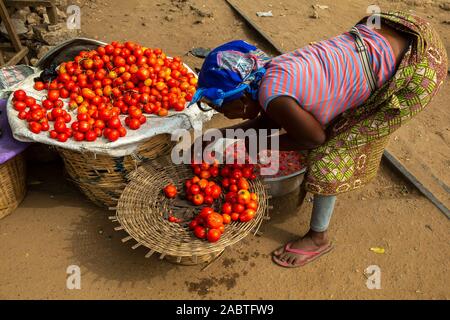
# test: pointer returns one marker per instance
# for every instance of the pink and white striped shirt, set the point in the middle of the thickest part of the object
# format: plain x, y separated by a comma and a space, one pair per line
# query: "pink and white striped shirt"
327, 78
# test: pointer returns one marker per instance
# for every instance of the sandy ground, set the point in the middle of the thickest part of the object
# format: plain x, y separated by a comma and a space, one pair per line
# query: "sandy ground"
56, 227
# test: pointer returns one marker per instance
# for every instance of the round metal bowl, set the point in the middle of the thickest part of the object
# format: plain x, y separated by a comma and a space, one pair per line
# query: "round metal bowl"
281, 186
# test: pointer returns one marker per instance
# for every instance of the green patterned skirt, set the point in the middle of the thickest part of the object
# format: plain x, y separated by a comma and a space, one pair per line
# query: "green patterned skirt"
356, 139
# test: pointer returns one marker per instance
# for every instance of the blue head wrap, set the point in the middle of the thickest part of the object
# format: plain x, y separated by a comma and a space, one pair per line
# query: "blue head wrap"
229, 71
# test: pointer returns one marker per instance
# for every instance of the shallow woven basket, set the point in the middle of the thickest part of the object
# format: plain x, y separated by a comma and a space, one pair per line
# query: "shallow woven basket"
102, 178
142, 211
12, 184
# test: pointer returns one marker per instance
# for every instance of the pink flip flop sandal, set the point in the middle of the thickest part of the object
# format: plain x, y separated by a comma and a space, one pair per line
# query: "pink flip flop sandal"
312, 254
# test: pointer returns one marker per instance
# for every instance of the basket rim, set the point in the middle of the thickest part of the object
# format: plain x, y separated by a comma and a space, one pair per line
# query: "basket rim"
177, 247
276, 179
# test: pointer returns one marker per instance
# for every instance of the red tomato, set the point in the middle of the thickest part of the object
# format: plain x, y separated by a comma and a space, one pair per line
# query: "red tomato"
214, 171
122, 131
29, 101
226, 183
67, 118
47, 104
134, 124
236, 174
227, 208
235, 216
170, 191
225, 172
20, 95
143, 73
208, 200
226, 218
135, 113
113, 135
247, 172
208, 190
62, 137
243, 196
45, 126
205, 212
78, 136
57, 112
20, 106
200, 232
142, 119
104, 115
84, 126
87, 93
119, 61
238, 208
247, 215
91, 135
216, 191
60, 126
99, 124
214, 220
114, 123
53, 134
82, 117
243, 184
252, 204
213, 235
193, 224
35, 127
22, 115
163, 112
231, 197
194, 189
53, 95
98, 132
39, 85
205, 174
37, 115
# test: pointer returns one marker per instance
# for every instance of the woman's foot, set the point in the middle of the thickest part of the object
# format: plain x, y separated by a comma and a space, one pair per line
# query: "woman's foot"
303, 251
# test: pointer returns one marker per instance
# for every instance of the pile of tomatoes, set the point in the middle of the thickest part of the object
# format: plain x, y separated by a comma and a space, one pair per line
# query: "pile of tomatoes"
208, 224
239, 203
102, 84
200, 190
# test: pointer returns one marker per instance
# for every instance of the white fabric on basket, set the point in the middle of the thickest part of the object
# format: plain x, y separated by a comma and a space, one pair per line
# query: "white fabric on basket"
155, 125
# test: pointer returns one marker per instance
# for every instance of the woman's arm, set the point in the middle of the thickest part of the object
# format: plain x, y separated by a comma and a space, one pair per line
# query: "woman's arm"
260, 122
303, 130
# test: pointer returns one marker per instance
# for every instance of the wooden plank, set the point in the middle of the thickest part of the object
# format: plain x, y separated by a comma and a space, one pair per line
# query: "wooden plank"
10, 28
413, 180
52, 14
2, 60
28, 3
387, 155
254, 26
6, 46
17, 57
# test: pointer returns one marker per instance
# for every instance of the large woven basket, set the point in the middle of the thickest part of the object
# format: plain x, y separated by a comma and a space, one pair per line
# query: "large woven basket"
12, 184
142, 211
102, 178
